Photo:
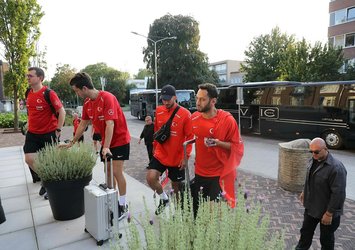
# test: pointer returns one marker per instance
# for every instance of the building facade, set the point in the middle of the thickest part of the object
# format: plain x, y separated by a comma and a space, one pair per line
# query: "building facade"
341, 30
228, 71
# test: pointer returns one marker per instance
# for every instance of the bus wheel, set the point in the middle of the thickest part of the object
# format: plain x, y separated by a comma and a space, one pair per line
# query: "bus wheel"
332, 139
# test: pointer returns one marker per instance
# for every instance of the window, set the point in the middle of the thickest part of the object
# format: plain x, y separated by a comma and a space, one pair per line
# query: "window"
222, 78
278, 90
328, 100
339, 41
351, 13
338, 17
350, 40
329, 89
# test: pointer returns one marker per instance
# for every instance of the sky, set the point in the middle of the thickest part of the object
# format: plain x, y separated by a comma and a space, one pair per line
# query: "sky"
84, 32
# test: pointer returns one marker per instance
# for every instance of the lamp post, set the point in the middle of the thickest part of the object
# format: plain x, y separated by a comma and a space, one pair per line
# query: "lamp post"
155, 60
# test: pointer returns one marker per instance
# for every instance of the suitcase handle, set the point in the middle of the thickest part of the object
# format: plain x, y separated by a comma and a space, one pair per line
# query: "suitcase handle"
187, 173
109, 157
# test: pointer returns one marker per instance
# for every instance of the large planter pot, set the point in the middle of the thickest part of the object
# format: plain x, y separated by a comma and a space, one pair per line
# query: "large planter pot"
67, 197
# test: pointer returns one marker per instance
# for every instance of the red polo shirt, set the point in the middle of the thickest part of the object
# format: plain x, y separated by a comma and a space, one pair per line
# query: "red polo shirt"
106, 107
41, 119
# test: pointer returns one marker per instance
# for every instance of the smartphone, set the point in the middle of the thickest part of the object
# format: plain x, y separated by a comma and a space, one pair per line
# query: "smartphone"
210, 142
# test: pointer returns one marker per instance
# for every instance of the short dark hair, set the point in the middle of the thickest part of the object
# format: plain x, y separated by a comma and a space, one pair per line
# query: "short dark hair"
80, 80
211, 89
39, 72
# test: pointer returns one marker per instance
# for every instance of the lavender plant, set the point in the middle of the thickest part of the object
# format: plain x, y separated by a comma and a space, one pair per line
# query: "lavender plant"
54, 164
216, 226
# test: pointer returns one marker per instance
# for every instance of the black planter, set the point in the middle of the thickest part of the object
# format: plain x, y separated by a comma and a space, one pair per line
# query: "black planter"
67, 197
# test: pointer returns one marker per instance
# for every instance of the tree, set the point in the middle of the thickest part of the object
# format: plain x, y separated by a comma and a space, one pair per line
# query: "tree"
279, 57
264, 55
19, 31
60, 84
180, 62
115, 80
305, 63
142, 73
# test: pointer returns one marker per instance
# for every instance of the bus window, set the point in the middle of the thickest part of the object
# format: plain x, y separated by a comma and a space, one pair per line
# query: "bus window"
352, 111
326, 89
328, 101
253, 96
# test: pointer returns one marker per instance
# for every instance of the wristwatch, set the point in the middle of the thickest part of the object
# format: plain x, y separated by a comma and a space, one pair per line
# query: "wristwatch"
58, 130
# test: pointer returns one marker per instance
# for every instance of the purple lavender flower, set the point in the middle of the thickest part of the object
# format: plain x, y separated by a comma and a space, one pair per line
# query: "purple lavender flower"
128, 217
246, 194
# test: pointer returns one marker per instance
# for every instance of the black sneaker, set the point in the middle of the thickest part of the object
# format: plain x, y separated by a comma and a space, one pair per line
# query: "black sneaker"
122, 211
161, 207
42, 191
45, 196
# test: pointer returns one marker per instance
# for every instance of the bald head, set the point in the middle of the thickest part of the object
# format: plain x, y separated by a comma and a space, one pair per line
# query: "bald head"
319, 150
319, 142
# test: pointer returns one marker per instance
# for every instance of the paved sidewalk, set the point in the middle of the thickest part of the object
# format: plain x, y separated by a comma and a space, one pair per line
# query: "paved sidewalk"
30, 224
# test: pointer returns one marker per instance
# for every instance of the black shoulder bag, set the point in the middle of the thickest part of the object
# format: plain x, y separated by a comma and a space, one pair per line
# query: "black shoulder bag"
163, 134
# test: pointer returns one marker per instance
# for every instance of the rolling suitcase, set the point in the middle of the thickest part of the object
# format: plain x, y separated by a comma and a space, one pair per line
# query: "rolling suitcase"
101, 209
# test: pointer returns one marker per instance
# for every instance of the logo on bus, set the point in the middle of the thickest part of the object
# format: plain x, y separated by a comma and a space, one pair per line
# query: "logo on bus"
269, 112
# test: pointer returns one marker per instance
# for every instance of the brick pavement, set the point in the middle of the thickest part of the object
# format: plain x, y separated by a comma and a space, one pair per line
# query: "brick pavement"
284, 208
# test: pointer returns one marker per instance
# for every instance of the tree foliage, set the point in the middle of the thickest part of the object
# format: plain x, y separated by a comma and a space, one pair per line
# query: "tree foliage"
277, 56
19, 31
179, 62
60, 84
264, 55
115, 80
142, 73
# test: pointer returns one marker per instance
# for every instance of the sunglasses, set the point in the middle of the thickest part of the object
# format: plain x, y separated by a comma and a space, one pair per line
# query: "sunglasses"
315, 151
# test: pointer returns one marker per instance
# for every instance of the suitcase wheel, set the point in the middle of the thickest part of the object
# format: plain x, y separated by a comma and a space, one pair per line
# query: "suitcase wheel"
100, 242
86, 231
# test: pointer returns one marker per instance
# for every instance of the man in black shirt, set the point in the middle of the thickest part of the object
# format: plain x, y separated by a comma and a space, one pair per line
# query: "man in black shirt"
147, 135
323, 196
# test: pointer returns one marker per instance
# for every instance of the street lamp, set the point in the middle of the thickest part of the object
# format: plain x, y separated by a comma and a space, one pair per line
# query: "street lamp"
155, 61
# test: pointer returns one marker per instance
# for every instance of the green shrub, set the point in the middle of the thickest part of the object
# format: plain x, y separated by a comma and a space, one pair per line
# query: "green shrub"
54, 164
7, 119
216, 227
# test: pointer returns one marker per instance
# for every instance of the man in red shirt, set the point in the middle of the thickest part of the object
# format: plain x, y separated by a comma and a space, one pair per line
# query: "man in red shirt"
105, 113
170, 154
76, 122
219, 148
43, 126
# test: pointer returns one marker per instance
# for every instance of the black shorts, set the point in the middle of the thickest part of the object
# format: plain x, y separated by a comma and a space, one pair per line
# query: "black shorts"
96, 137
35, 142
175, 174
120, 153
209, 186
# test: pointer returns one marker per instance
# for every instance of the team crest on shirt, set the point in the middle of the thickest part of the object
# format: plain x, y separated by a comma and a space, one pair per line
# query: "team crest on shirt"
110, 111
39, 100
211, 131
99, 109
174, 124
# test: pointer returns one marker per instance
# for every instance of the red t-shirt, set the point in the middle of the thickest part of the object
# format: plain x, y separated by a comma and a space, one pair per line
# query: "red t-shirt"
206, 162
106, 107
76, 122
171, 152
41, 119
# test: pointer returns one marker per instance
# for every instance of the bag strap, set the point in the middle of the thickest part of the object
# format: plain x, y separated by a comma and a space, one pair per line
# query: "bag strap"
173, 114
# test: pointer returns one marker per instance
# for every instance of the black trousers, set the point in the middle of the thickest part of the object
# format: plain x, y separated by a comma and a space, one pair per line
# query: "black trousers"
326, 232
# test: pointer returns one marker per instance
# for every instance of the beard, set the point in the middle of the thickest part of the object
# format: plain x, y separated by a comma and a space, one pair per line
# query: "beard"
205, 108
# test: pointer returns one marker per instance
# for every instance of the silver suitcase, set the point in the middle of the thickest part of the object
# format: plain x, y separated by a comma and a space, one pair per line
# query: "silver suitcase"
101, 210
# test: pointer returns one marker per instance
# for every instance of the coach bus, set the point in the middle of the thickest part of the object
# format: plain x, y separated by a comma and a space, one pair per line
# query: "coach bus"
292, 110
143, 102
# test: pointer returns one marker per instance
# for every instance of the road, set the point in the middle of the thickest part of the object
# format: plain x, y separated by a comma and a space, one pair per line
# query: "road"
261, 155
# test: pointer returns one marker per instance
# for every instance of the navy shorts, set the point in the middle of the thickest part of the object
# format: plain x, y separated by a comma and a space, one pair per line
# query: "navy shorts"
120, 153
35, 142
175, 174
